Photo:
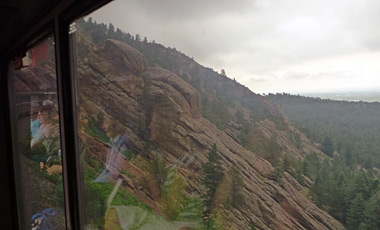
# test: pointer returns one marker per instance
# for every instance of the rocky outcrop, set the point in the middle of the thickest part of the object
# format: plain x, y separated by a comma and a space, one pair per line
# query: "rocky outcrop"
268, 205
121, 55
183, 94
112, 81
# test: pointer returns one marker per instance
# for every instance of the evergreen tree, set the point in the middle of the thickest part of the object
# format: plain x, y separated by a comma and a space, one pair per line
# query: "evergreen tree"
311, 165
299, 173
128, 36
358, 184
317, 191
336, 202
287, 163
223, 73
160, 170
138, 38
277, 174
239, 115
237, 188
111, 29
371, 219
349, 157
355, 213
119, 35
213, 174
328, 146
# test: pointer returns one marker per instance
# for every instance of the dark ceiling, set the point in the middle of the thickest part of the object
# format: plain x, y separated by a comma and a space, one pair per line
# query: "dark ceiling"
22, 20
18, 16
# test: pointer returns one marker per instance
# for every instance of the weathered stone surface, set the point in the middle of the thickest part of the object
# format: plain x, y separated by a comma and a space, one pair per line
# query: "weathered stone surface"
182, 93
268, 204
122, 55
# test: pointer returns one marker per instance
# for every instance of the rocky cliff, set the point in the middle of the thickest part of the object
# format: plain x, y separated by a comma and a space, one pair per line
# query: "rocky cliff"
155, 106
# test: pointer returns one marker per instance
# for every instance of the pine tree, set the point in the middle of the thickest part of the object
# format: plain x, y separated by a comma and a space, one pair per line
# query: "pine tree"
137, 38
349, 157
160, 170
328, 146
355, 213
223, 73
317, 191
336, 202
237, 188
371, 219
111, 28
277, 174
359, 184
119, 34
287, 163
213, 174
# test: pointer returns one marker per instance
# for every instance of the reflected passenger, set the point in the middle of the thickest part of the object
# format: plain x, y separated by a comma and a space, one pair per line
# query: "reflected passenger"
47, 136
34, 121
117, 146
47, 127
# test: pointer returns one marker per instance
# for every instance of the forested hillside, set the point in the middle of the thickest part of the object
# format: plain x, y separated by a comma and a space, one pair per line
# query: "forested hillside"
347, 183
250, 168
353, 127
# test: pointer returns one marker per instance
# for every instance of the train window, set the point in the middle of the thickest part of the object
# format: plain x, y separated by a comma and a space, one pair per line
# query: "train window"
127, 127
166, 143
38, 153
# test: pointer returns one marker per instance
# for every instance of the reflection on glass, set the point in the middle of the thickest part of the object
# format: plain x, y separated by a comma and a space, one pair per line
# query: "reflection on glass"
117, 147
39, 150
169, 143
126, 126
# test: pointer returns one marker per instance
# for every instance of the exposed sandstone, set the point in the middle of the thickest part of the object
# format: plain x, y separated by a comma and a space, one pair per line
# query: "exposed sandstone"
123, 56
268, 204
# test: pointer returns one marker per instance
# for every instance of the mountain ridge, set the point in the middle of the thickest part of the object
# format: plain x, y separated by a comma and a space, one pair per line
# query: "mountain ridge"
270, 205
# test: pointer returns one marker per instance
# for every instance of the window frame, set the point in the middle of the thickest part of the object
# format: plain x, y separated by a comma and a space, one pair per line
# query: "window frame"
8, 199
57, 23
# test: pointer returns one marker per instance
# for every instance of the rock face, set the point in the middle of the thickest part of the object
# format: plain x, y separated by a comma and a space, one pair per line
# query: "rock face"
114, 79
121, 55
185, 97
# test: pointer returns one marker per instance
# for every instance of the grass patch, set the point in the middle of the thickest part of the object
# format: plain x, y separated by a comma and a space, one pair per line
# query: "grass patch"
305, 192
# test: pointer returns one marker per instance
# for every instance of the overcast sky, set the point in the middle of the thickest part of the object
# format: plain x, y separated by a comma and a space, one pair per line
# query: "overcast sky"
291, 46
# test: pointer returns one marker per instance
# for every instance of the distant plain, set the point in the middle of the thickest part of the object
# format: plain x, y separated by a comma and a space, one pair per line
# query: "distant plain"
368, 96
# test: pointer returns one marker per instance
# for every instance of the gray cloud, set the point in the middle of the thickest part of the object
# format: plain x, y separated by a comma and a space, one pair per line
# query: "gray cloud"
187, 10
255, 37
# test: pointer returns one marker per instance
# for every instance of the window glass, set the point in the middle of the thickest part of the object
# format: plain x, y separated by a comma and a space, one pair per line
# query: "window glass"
38, 153
168, 142
128, 123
